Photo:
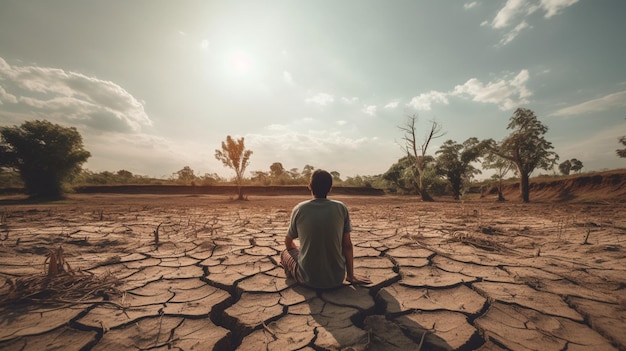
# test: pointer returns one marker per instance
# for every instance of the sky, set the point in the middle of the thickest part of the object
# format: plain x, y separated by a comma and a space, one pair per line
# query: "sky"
154, 86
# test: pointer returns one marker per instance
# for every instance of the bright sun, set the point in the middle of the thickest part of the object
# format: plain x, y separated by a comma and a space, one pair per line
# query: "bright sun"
240, 62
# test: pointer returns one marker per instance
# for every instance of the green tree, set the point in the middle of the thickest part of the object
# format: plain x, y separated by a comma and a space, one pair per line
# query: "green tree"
209, 179
526, 147
354, 181
622, 152
185, 175
307, 170
336, 176
417, 152
455, 162
577, 165
260, 177
375, 181
572, 165
501, 166
401, 175
294, 174
87, 177
565, 167
45, 154
235, 156
124, 174
277, 170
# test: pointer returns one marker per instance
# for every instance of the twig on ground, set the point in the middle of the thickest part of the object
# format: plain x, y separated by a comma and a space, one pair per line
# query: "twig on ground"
419, 347
269, 331
156, 235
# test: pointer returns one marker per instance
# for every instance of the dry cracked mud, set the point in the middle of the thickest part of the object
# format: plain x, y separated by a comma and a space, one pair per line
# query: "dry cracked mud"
445, 276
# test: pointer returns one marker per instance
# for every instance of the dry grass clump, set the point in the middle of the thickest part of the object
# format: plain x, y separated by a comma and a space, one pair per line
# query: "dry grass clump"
60, 283
486, 244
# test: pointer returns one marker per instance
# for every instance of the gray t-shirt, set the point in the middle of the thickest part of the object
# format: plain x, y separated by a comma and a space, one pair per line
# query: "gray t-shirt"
320, 225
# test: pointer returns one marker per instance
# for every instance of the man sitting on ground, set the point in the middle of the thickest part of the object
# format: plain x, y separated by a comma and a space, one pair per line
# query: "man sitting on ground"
325, 257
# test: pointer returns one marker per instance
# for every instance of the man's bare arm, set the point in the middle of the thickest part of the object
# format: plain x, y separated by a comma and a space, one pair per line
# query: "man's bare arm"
348, 253
289, 243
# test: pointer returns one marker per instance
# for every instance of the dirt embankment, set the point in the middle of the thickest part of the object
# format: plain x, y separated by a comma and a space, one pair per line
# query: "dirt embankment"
220, 190
601, 186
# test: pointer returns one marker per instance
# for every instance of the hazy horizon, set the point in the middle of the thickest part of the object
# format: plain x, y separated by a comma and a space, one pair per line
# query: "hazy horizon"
156, 86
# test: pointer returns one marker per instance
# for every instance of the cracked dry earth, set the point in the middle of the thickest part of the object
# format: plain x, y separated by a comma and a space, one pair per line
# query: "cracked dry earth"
445, 276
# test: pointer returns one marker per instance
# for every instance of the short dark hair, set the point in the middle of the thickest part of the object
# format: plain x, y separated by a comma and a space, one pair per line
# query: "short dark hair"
321, 182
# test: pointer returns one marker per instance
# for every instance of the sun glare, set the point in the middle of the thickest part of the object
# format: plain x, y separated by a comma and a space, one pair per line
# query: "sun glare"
240, 62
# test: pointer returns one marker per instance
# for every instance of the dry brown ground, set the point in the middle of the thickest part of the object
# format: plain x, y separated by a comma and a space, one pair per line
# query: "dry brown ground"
447, 275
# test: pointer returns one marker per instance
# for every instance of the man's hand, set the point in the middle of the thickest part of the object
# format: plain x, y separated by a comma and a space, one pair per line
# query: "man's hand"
359, 280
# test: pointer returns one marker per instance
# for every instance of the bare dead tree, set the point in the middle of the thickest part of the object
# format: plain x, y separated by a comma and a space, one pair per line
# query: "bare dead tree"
417, 152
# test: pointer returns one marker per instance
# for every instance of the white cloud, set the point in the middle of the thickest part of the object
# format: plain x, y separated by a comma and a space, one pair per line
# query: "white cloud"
553, 7
470, 5
392, 104
519, 82
328, 149
508, 37
341, 123
291, 139
506, 93
369, 110
321, 99
424, 101
349, 100
6, 97
151, 155
288, 78
596, 105
511, 9
276, 127
516, 11
72, 97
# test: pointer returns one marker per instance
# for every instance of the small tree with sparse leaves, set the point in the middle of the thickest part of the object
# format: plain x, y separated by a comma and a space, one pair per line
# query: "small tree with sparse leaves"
502, 167
455, 162
234, 155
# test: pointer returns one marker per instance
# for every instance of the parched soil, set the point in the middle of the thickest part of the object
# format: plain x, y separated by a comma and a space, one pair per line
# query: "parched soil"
474, 275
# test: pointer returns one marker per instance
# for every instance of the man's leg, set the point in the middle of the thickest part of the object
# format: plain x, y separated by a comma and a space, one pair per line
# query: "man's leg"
289, 260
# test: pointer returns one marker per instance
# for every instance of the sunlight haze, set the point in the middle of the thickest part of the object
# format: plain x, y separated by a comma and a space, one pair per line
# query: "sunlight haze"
154, 86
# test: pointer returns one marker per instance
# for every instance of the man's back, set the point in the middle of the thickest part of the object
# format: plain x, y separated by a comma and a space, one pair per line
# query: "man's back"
320, 225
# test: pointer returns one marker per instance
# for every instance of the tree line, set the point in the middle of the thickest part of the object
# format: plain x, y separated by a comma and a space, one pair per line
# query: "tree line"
44, 158
522, 152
